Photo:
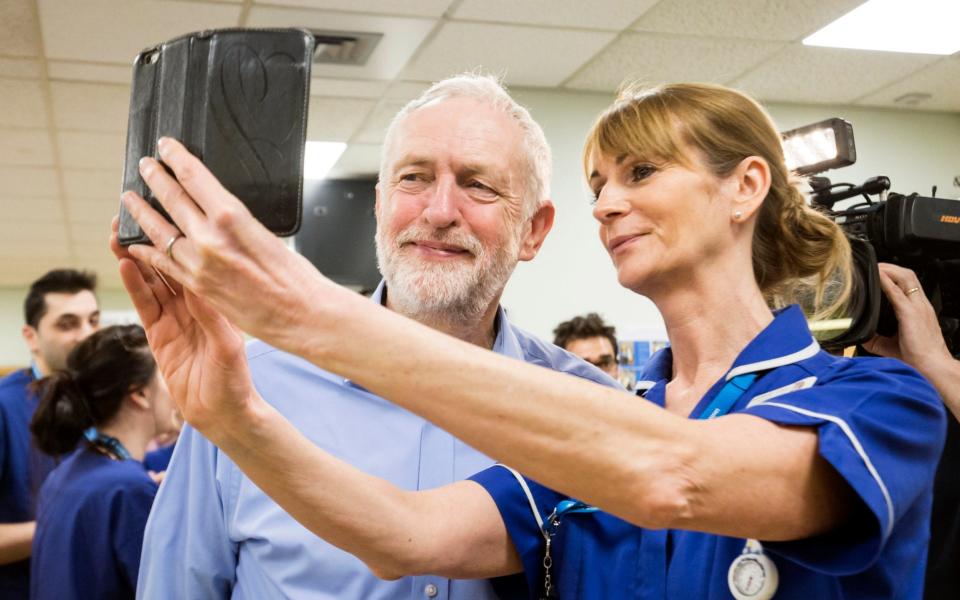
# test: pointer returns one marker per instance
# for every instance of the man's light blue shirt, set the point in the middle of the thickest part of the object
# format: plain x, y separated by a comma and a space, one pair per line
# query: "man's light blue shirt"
213, 534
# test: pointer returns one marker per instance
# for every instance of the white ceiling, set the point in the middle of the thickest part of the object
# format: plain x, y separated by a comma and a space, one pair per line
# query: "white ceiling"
65, 70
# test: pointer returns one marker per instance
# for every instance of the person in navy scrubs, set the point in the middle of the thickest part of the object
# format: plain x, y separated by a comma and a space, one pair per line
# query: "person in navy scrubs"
93, 507
754, 464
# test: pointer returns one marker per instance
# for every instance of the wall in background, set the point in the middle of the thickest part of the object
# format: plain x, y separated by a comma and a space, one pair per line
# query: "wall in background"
573, 274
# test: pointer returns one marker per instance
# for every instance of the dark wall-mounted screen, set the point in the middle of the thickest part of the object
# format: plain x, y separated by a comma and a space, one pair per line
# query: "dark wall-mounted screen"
337, 234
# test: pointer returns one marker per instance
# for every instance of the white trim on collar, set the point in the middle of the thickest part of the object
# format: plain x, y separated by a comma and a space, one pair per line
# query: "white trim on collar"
644, 385
772, 363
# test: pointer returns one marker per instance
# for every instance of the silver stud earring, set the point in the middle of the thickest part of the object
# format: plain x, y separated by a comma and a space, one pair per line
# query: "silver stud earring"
737, 215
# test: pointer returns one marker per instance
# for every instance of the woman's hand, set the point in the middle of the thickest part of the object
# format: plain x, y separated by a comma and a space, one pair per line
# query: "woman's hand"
218, 251
200, 354
918, 340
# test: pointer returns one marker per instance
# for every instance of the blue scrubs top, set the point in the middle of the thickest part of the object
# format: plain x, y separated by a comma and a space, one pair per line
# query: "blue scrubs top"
22, 469
92, 513
158, 460
880, 425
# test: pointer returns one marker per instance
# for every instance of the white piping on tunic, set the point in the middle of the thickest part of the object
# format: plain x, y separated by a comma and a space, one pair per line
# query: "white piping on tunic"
856, 446
526, 490
772, 363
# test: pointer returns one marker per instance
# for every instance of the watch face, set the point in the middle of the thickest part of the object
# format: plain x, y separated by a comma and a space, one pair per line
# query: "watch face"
748, 576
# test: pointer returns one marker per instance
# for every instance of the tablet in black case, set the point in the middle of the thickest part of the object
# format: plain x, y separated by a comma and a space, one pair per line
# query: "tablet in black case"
237, 99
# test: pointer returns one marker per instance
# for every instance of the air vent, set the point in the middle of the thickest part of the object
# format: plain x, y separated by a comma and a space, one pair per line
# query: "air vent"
912, 98
351, 48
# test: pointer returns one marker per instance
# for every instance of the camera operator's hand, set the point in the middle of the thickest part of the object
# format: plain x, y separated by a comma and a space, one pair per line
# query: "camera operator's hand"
918, 341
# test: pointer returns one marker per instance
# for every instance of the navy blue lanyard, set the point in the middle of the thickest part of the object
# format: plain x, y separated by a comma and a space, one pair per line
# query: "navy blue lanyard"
108, 443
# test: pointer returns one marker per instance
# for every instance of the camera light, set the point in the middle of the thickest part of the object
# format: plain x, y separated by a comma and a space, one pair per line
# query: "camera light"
320, 157
818, 147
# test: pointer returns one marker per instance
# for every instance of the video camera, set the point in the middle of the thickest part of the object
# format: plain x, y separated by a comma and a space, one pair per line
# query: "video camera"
918, 232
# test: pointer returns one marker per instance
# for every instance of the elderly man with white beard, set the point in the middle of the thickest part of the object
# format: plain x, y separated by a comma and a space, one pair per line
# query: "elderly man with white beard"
463, 194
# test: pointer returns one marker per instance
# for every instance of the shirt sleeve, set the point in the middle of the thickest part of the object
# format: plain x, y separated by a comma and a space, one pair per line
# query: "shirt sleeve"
882, 427
516, 509
187, 551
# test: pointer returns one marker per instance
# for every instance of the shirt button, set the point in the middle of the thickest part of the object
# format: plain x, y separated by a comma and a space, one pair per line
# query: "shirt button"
430, 590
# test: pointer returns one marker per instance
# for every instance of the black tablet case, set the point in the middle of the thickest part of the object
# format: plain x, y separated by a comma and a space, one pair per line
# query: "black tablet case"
237, 99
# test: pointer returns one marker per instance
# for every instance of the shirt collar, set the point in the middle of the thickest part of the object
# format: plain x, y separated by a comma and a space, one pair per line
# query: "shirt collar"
786, 340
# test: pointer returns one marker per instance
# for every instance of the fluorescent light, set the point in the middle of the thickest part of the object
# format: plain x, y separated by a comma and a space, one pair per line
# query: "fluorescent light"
320, 157
912, 26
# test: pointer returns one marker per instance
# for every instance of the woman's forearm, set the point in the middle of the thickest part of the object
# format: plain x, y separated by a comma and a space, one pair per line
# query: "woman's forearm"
944, 375
567, 433
394, 531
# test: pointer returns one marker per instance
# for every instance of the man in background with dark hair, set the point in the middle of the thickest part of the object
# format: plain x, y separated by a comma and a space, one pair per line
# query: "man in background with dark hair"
60, 311
591, 339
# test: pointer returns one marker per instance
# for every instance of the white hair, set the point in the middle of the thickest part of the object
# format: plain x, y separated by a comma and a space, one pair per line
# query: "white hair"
490, 90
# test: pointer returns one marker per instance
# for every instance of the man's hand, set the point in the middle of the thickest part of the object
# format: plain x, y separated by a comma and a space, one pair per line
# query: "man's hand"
217, 250
199, 352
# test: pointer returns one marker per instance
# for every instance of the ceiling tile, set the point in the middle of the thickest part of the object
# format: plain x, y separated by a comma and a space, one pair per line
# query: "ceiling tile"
18, 209
95, 254
92, 183
23, 68
115, 32
90, 106
778, 20
91, 232
526, 55
83, 71
359, 160
28, 182
420, 8
602, 14
941, 80
88, 149
347, 88
376, 126
55, 249
39, 231
19, 34
336, 119
97, 212
653, 59
406, 90
401, 37
22, 103
798, 74
25, 147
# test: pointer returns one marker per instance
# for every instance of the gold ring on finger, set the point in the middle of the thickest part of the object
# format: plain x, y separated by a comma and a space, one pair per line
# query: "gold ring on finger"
173, 239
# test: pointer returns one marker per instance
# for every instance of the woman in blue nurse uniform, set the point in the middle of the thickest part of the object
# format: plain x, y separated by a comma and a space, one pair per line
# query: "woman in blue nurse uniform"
755, 465
93, 507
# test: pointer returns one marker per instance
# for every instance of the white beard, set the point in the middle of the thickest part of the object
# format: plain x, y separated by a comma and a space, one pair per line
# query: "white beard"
454, 292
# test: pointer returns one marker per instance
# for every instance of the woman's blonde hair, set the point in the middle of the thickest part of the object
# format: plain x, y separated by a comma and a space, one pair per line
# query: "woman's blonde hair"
799, 254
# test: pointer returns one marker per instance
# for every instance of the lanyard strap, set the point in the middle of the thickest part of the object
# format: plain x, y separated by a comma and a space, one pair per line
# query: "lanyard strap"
108, 443
728, 396
722, 404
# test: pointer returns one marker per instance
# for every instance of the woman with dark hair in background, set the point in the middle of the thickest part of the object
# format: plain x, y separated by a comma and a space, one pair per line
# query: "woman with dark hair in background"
93, 507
